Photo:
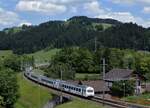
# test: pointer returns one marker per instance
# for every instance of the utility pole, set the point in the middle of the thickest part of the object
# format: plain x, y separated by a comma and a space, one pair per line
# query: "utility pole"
61, 86
39, 95
124, 90
104, 64
95, 44
21, 65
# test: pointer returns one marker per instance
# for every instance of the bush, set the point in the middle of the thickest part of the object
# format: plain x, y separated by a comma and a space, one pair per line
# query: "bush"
123, 88
12, 62
54, 71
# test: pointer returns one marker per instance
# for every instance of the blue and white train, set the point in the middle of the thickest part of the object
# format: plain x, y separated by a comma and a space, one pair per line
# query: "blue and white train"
81, 90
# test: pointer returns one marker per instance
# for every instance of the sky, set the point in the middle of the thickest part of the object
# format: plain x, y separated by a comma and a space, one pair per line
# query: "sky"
34, 12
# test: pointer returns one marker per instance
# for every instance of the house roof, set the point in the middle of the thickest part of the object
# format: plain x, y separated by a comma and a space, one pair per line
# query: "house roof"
147, 87
118, 74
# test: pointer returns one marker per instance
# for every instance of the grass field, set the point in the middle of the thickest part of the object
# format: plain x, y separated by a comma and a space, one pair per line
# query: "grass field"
31, 95
105, 25
38, 71
44, 55
86, 76
79, 104
5, 53
143, 99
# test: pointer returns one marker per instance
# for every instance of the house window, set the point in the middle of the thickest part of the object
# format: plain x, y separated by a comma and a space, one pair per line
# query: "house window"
139, 83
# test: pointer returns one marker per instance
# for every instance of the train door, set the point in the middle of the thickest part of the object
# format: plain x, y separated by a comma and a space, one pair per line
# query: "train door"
56, 84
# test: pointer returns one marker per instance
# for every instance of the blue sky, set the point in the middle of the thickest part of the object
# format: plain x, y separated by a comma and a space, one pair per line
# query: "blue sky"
33, 12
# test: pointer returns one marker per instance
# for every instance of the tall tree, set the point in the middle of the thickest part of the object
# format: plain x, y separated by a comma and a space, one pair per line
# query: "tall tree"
8, 87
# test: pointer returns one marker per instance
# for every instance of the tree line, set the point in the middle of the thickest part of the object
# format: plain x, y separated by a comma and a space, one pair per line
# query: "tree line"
82, 60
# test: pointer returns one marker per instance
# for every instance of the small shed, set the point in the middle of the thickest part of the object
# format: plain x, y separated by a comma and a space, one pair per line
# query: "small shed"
118, 75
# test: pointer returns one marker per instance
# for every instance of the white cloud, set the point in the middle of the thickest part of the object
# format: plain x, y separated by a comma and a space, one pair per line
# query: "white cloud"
67, 2
94, 7
74, 10
101, 12
8, 17
51, 7
123, 1
121, 16
40, 6
146, 10
25, 23
125, 17
144, 1
141, 21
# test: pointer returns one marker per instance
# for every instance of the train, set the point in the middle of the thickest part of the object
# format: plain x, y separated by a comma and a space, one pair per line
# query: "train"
80, 90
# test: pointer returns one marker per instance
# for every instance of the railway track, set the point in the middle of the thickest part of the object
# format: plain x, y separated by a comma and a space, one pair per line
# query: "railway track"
104, 101
109, 102
117, 103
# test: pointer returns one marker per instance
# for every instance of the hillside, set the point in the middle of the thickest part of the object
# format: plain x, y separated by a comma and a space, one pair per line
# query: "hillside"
43, 55
76, 31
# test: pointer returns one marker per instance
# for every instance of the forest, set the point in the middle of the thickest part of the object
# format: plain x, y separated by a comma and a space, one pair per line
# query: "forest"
76, 31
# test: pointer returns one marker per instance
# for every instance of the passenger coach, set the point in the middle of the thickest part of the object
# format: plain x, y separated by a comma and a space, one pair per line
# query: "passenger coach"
81, 90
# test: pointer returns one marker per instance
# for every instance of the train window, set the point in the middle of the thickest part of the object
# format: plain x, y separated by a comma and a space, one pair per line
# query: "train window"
34, 76
72, 88
89, 90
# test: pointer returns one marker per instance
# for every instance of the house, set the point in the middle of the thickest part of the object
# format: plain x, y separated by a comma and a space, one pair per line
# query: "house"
122, 75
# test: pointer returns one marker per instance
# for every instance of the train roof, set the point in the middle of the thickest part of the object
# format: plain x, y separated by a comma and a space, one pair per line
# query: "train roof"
77, 85
62, 81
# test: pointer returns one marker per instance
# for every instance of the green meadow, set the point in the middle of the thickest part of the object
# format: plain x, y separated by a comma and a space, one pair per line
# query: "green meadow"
79, 104
31, 95
44, 55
